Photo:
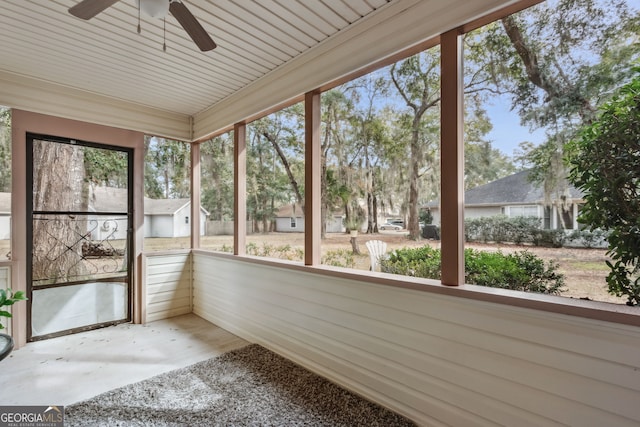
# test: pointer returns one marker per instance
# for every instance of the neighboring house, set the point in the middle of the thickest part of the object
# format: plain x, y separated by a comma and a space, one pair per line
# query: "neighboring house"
5, 216
162, 217
516, 196
170, 218
107, 199
335, 223
290, 218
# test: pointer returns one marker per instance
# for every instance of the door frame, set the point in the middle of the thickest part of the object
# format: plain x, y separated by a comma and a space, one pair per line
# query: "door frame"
25, 121
31, 139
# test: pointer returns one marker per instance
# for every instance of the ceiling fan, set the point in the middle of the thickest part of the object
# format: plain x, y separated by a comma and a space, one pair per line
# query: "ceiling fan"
87, 9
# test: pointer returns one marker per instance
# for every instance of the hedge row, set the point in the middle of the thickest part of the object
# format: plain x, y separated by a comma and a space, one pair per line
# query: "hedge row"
519, 230
522, 271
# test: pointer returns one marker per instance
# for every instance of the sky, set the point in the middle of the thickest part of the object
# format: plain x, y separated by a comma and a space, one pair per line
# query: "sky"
507, 132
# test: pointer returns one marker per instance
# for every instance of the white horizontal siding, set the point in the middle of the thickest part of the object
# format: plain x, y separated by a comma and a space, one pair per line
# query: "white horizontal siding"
168, 286
440, 360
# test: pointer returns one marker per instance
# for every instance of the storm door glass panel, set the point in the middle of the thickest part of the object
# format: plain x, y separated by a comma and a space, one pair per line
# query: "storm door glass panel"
79, 235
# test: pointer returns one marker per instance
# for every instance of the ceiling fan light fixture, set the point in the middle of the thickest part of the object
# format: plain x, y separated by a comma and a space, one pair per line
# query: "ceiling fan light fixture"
154, 8
87, 9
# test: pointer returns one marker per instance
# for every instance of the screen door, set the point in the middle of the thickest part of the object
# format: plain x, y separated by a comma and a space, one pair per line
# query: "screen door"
79, 208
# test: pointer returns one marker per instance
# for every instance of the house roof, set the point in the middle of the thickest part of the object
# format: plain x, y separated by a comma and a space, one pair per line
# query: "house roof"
514, 188
510, 190
269, 51
293, 210
164, 206
110, 199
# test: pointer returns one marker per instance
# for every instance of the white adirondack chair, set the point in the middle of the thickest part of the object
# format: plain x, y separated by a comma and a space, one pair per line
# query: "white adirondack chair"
377, 250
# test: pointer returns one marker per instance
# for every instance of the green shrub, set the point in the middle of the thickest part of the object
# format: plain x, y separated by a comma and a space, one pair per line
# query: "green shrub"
7, 299
418, 262
500, 228
271, 251
522, 271
339, 258
605, 166
522, 228
549, 238
588, 238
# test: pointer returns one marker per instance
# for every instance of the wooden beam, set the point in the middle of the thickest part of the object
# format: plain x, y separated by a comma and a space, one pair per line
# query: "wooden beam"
240, 188
452, 159
312, 179
195, 196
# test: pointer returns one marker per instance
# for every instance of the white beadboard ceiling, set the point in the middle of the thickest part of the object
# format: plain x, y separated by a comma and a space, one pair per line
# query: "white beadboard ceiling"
106, 58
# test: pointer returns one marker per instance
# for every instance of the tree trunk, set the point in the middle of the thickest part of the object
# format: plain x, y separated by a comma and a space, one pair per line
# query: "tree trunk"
59, 185
369, 189
554, 179
323, 198
528, 57
370, 212
355, 248
375, 214
536, 75
413, 226
287, 167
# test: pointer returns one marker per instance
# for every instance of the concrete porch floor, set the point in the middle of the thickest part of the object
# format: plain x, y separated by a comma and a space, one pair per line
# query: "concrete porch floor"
65, 370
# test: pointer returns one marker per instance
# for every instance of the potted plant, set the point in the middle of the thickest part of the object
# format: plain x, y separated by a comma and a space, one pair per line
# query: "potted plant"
7, 298
354, 224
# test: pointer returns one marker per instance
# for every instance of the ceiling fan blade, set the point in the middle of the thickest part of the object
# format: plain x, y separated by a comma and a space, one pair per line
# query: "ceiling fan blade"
87, 9
191, 26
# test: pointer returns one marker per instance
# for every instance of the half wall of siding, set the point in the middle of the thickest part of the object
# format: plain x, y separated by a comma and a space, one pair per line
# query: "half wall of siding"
168, 285
437, 359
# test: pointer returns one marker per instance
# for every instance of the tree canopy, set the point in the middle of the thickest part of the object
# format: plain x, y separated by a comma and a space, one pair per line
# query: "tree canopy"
605, 164
559, 61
